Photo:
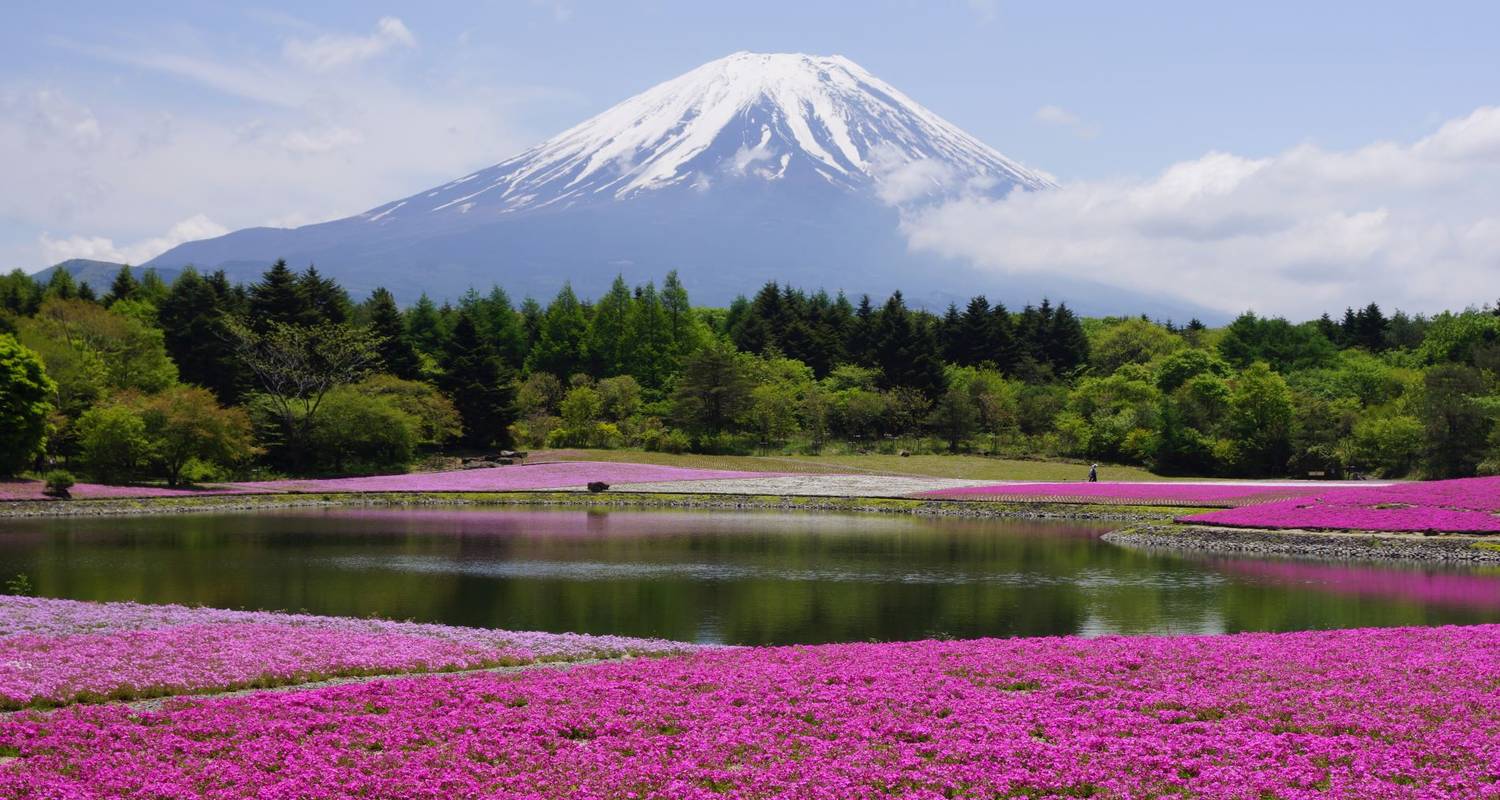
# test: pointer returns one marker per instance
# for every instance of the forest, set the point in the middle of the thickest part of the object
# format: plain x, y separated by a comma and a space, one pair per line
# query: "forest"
204, 379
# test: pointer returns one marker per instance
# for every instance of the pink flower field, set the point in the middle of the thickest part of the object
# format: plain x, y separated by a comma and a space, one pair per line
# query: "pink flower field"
1468, 505
1394, 713
1170, 494
528, 477
55, 652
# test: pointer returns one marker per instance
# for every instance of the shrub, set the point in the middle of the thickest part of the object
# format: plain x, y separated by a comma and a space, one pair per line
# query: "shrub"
113, 442
362, 433
186, 424
58, 482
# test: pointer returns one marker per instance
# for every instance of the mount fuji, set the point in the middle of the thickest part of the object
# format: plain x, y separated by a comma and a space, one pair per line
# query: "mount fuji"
754, 167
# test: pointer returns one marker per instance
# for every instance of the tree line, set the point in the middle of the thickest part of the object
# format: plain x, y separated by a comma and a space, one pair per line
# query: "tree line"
203, 378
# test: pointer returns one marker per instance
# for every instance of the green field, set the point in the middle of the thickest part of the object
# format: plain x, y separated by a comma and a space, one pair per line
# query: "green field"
928, 466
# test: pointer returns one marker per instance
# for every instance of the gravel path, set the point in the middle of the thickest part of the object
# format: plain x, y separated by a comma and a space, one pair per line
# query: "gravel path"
806, 486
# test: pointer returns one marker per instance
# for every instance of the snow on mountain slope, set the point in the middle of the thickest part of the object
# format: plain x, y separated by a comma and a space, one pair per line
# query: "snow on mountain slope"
746, 116
754, 167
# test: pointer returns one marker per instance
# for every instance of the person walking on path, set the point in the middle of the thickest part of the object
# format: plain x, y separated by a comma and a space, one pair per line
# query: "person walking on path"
1093, 473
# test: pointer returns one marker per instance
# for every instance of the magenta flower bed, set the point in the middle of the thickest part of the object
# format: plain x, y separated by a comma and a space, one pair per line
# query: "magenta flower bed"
1469, 505
1183, 494
1356, 713
558, 475
61, 651
32, 490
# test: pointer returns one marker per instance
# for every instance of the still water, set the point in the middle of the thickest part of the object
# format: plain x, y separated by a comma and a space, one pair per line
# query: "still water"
739, 578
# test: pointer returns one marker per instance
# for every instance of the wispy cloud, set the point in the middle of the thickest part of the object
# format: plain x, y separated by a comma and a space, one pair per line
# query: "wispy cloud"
283, 140
1060, 117
332, 51
102, 248
1411, 225
245, 80
986, 11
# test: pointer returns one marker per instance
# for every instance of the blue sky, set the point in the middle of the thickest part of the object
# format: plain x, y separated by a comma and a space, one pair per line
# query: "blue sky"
124, 127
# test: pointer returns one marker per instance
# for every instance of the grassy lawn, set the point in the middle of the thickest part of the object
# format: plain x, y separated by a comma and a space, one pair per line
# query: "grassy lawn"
927, 466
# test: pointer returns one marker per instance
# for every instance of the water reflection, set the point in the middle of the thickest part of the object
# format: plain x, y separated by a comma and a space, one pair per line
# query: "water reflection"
745, 578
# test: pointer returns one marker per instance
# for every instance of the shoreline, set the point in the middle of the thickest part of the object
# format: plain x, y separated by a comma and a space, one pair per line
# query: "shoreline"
1450, 548
613, 500
1152, 525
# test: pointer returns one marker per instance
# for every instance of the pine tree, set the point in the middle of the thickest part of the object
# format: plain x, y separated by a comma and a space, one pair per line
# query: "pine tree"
424, 327
396, 351
61, 285
562, 343
860, 344
531, 323
1067, 344
86, 292
950, 335
906, 350
976, 334
325, 299
277, 297
652, 361
608, 340
682, 325
479, 384
124, 287
192, 317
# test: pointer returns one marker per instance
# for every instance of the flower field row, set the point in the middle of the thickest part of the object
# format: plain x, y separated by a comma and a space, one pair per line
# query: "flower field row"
1169, 494
528, 477
61, 651
1397, 713
1468, 505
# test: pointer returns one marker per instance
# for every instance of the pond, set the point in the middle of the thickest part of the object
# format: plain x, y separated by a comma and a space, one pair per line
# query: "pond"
736, 578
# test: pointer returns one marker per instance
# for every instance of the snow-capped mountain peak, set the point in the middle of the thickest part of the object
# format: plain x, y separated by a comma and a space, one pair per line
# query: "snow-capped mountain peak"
755, 116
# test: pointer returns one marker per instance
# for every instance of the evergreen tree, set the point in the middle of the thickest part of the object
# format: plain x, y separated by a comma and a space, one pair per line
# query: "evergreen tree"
652, 361
61, 285
192, 318
325, 299
562, 343
124, 287
1067, 345
19, 294
396, 351
86, 292
531, 322
906, 350
277, 298
860, 344
977, 334
682, 325
152, 288
759, 328
506, 327
950, 335
424, 327
608, 340
481, 387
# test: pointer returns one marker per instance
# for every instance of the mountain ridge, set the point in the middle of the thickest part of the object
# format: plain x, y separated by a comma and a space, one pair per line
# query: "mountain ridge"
750, 168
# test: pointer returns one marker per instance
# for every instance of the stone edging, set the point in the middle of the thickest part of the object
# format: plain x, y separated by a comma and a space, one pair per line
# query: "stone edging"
1354, 546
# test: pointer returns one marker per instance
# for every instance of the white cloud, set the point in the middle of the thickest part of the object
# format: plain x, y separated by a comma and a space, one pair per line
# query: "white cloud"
312, 142
332, 51
271, 141
1415, 226
562, 11
1061, 117
102, 248
986, 10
